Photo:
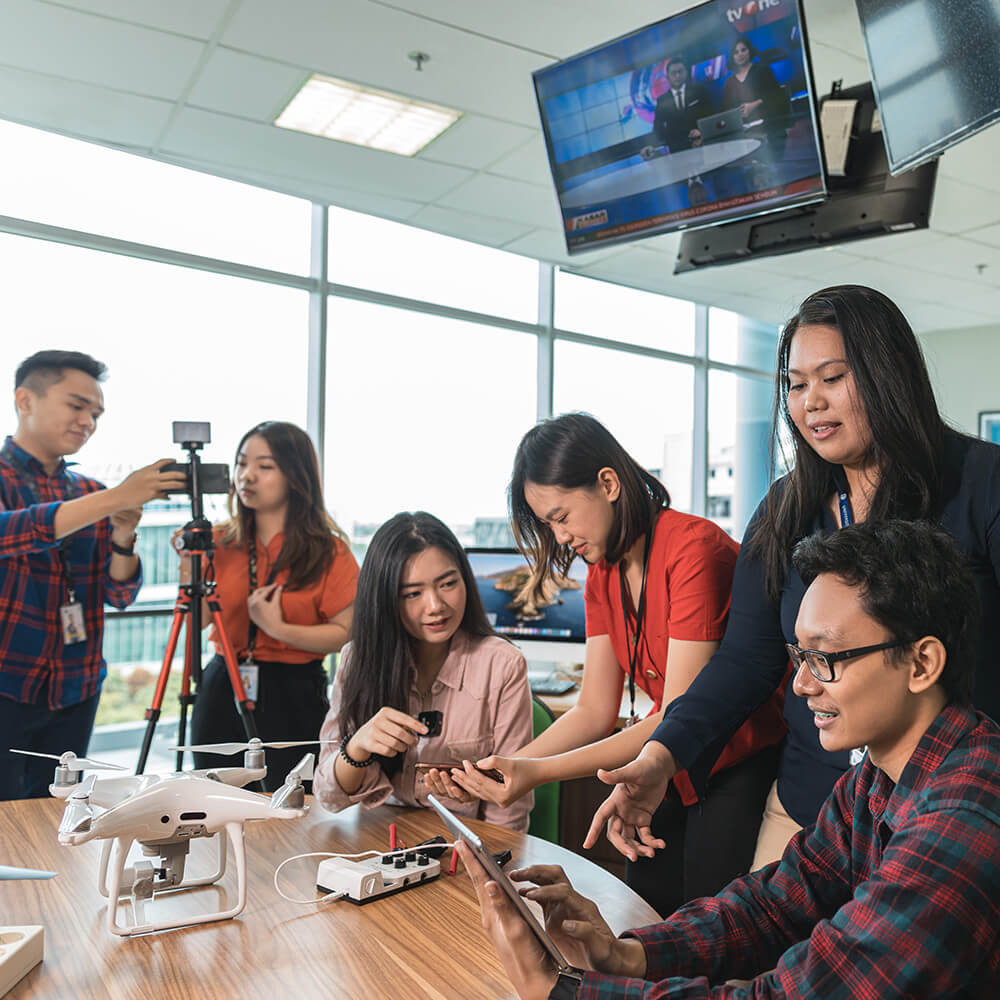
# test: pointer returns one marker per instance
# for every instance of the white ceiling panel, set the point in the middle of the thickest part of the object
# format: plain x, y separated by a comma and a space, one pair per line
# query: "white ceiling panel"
961, 207
836, 24
987, 235
549, 245
829, 64
81, 110
486, 194
889, 246
971, 160
528, 163
196, 18
493, 232
252, 146
927, 317
476, 142
245, 86
975, 263
66, 43
465, 71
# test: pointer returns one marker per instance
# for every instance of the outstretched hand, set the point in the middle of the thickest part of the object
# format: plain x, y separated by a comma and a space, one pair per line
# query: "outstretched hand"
628, 810
517, 779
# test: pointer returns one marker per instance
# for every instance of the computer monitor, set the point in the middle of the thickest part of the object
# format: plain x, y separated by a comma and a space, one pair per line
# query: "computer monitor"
552, 630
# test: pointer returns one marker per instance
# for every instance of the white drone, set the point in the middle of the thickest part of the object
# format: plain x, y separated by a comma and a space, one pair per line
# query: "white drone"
164, 813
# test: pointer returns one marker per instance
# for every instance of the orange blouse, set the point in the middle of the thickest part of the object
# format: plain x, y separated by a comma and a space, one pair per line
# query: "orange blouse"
313, 605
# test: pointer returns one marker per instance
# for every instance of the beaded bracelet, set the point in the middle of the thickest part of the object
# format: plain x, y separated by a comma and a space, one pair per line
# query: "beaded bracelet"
350, 760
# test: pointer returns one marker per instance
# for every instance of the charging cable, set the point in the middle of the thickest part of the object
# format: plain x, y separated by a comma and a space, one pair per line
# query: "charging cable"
332, 897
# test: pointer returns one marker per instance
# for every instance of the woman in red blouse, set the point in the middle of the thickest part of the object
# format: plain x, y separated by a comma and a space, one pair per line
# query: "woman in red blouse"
286, 581
657, 598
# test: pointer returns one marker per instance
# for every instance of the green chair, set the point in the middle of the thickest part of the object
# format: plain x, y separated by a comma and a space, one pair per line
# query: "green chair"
544, 821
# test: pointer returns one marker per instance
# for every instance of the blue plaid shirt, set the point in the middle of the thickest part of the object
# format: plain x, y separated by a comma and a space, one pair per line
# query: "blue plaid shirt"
894, 892
34, 660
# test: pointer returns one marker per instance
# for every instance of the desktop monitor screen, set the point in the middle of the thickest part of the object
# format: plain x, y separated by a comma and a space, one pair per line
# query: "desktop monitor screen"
702, 117
503, 577
935, 68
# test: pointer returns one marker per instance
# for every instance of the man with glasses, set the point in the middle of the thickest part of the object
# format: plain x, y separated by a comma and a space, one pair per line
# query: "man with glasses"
895, 891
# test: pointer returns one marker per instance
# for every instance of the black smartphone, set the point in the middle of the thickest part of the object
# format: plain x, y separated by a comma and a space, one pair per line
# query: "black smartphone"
213, 477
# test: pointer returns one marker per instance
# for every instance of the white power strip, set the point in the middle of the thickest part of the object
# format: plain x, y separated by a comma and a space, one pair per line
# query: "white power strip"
20, 951
363, 881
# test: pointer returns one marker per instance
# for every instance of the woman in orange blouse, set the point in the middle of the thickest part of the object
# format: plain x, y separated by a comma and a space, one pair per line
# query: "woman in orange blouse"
286, 581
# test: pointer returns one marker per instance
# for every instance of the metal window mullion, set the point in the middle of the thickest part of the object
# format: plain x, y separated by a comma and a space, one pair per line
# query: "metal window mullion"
699, 436
318, 315
546, 340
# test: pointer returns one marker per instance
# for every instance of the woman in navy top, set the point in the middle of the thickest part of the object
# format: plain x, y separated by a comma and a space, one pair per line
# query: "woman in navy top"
854, 394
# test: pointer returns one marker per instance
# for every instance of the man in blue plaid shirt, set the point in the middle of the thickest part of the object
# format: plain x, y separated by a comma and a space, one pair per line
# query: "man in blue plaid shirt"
895, 891
66, 549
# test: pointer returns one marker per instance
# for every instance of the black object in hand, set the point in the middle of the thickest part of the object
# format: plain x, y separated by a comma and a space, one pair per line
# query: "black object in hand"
433, 721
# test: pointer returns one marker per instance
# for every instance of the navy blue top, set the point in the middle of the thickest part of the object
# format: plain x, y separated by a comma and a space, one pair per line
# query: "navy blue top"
752, 659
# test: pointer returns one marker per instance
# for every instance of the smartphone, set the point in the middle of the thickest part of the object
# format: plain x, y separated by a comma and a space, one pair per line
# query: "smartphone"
213, 477
491, 773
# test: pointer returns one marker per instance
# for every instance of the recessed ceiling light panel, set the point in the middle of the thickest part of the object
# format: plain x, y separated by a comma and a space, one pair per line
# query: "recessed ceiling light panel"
336, 109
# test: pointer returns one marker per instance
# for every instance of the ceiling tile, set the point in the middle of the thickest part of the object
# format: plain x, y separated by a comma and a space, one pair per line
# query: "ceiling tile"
476, 142
197, 18
465, 225
67, 44
238, 84
252, 146
837, 24
961, 207
465, 71
956, 257
485, 194
549, 245
528, 163
81, 110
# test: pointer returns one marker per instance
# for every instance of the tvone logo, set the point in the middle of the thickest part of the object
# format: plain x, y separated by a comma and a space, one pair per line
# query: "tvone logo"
750, 8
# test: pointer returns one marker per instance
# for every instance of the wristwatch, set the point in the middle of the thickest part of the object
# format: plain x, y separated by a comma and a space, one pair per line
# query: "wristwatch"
567, 986
123, 550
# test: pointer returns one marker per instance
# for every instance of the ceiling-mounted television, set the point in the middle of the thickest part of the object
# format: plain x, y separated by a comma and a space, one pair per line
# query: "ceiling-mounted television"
702, 117
935, 67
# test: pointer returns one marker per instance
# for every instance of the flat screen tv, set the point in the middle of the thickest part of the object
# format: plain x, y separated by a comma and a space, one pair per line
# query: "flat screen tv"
502, 576
935, 67
702, 117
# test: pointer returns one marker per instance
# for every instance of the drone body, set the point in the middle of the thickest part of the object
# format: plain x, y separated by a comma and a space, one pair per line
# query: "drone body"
164, 813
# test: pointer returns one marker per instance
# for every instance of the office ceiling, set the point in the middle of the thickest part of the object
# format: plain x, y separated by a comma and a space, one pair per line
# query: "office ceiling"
199, 82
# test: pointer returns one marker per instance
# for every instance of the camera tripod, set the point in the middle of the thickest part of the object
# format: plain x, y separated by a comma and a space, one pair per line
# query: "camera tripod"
197, 542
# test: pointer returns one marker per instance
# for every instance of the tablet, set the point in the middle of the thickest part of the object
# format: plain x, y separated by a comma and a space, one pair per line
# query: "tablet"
498, 875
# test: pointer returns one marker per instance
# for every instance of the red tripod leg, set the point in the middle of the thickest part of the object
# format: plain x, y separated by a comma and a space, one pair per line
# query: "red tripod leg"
181, 608
243, 704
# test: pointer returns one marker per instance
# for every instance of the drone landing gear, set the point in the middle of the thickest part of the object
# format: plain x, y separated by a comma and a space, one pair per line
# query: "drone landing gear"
141, 882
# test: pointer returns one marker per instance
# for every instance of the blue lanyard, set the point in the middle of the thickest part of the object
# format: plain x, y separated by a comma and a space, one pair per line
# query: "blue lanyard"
846, 520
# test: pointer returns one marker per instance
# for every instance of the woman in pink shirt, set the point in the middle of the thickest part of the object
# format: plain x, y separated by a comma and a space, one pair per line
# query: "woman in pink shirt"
424, 679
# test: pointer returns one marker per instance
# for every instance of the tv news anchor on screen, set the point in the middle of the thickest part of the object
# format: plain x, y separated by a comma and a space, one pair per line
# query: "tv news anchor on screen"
67, 548
286, 580
424, 681
656, 599
894, 892
853, 393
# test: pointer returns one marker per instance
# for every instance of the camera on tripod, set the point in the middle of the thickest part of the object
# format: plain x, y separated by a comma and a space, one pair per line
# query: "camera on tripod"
212, 477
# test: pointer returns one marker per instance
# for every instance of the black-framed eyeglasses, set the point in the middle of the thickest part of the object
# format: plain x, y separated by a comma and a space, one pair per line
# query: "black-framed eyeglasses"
820, 664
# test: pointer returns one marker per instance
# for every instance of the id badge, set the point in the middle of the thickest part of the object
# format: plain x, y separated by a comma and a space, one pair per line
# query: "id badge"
250, 676
71, 617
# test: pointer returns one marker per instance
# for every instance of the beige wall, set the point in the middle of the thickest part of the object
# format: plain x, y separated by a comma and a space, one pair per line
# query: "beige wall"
965, 369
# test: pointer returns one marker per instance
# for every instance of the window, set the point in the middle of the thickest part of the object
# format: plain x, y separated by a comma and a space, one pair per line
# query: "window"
423, 413
615, 312
402, 260
79, 185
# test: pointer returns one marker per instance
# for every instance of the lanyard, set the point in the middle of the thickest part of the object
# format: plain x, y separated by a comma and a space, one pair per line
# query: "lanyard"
28, 481
846, 517
640, 614
252, 571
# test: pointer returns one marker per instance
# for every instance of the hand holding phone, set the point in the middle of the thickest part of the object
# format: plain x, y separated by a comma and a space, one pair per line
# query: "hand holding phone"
491, 773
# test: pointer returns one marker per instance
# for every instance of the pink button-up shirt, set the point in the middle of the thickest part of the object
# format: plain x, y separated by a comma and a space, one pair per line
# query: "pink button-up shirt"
482, 692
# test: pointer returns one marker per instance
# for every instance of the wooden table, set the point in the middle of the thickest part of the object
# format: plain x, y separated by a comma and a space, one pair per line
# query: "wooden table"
426, 943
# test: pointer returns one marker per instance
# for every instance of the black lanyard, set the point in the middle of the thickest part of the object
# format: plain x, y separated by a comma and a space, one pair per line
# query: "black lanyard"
28, 481
632, 645
252, 569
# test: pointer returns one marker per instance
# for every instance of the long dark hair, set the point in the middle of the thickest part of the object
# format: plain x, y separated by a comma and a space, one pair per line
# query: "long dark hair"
381, 664
568, 452
907, 432
306, 551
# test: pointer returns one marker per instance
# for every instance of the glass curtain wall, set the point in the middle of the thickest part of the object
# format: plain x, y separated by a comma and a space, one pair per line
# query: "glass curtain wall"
439, 353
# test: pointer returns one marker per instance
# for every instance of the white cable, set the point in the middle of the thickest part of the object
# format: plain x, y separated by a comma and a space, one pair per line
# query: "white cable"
332, 897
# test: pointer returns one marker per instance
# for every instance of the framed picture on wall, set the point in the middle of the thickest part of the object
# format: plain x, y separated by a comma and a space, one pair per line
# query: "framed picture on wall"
989, 425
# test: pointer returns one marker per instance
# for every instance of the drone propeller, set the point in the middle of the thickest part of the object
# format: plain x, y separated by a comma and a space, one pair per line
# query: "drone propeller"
79, 813
71, 762
7, 873
225, 749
